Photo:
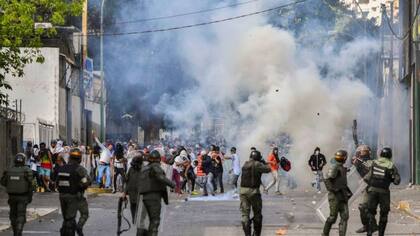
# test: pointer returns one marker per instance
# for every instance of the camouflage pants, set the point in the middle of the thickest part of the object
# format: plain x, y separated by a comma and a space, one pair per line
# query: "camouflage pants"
70, 204
17, 213
337, 206
384, 202
251, 199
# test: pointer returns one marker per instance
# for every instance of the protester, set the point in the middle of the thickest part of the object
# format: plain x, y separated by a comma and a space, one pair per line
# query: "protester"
274, 161
317, 162
104, 164
218, 169
46, 166
119, 163
236, 167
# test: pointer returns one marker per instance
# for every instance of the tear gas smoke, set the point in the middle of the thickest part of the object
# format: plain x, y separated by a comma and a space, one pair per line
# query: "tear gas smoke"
255, 77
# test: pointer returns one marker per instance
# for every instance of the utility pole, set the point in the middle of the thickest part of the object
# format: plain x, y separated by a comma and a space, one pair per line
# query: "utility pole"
415, 86
102, 73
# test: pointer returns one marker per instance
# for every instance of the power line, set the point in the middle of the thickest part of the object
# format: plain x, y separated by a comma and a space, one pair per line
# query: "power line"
182, 14
406, 34
199, 24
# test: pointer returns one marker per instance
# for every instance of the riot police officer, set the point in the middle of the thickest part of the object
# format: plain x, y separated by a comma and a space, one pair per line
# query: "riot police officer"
338, 194
152, 187
250, 192
72, 181
362, 161
18, 183
382, 173
132, 180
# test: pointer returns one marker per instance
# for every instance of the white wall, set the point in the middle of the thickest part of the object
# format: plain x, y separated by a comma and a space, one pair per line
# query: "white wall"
38, 90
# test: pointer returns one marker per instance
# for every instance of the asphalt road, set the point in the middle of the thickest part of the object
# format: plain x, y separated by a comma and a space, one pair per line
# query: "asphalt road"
206, 217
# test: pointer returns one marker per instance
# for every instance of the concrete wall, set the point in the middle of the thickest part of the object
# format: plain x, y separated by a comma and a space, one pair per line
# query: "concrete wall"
39, 92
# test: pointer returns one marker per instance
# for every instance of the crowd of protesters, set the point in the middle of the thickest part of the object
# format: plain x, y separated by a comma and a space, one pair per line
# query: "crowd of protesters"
195, 168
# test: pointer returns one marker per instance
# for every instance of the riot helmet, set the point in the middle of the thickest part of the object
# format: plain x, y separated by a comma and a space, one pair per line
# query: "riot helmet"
386, 152
154, 156
75, 155
20, 159
341, 156
256, 156
364, 151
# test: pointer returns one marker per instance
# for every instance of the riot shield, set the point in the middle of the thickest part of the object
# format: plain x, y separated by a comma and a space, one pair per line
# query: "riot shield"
142, 219
356, 185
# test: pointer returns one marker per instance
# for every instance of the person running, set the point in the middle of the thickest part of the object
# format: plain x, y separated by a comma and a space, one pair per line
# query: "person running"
274, 162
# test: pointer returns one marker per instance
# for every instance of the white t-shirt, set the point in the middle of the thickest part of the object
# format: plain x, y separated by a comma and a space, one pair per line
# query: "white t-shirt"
179, 160
236, 164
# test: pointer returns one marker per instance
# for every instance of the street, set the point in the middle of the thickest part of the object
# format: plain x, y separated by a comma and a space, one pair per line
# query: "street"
293, 211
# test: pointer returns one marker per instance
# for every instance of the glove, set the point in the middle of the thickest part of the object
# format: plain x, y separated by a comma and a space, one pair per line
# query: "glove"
263, 161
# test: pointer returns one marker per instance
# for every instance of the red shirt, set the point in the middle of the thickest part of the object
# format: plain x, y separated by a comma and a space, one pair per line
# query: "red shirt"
272, 158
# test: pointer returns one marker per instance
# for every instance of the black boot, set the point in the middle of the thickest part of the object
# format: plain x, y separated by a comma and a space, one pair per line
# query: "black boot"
18, 230
141, 232
247, 228
79, 231
257, 230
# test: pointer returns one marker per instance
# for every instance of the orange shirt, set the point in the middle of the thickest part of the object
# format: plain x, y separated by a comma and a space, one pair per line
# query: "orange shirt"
272, 158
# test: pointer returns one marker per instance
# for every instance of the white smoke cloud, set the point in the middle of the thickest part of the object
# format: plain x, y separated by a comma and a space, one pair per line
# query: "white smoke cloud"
263, 88
259, 80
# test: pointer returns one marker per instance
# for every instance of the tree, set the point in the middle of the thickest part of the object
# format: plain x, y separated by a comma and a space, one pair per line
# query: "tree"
20, 40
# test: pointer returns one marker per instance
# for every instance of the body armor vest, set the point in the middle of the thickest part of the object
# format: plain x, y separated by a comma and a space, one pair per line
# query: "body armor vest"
381, 177
17, 180
68, 180
148, 182
250, 177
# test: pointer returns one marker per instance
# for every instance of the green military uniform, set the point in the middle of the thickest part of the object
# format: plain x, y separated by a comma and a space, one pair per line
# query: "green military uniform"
362, 167
131, 188
250, 195
382, 173
338, 195
72, 181
18, 183
152, 186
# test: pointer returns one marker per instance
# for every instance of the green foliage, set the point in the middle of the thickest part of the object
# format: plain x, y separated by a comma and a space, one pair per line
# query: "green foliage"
20, 40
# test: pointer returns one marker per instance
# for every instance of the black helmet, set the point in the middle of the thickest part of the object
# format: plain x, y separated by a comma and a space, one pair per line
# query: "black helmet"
20, 159
386, 152
154, 156
256, 155
341, 156
75, 154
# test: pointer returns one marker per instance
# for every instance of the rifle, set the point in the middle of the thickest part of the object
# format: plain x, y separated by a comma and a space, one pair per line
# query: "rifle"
122, 205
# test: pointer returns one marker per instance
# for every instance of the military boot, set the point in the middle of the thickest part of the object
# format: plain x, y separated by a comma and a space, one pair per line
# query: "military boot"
79, 231
141, 232
342, 228
247, 228
18, 230
257, 230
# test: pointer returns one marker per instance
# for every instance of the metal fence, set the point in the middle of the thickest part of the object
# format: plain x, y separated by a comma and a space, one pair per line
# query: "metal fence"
11, 133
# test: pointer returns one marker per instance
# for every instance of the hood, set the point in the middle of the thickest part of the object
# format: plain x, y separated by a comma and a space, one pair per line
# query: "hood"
183, 153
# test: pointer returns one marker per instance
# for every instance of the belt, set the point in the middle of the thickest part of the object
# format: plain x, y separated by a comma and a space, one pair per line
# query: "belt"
104, 164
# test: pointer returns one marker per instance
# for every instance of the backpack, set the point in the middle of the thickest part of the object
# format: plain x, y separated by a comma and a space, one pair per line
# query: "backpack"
285, 164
